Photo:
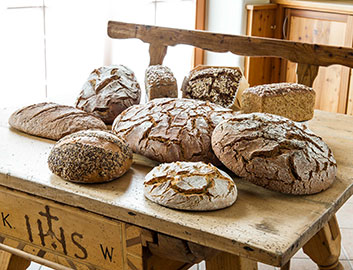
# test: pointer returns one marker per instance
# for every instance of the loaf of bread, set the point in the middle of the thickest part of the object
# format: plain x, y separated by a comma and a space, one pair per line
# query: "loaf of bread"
108, 91
290, 100
220, 85
274, 152
169, 129
160, 82
53, 121
192, 186
90, 156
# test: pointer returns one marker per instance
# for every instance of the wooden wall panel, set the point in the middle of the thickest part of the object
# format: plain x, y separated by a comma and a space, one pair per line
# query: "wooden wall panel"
261, 22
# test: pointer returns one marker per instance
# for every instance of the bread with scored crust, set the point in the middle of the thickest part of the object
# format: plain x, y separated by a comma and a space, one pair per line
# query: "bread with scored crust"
192, 186
170, 129
53, 121
275, 152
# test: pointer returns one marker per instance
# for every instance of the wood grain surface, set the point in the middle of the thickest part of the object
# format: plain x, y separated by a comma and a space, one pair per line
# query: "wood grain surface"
262, 225
313, 54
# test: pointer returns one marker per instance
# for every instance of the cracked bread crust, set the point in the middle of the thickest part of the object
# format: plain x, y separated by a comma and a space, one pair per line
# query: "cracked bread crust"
108, 91
194, 186
220, 85
169, 129
291, 100
160, 82
90, 156
274, 152
53, 121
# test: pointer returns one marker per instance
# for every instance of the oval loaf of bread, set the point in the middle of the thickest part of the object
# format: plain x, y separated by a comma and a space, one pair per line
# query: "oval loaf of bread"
53, 121
190, 186
169, 129
90, 156
274, 152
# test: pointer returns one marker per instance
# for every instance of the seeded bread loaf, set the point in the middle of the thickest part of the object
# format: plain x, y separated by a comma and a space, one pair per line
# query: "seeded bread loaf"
108, 91
90, 156
220, 85
290, 100
192, 186
53, 121
169, 129
160, 82
274, 152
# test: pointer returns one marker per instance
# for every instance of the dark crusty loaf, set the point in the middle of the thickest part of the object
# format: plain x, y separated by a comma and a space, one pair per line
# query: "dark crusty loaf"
160, 82
53, 121
169, 129
291, 100
220, 85
108, 91
274, 152
190, 186
90, 156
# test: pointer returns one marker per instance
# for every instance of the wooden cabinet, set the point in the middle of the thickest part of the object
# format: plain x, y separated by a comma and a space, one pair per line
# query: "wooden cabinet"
329, 23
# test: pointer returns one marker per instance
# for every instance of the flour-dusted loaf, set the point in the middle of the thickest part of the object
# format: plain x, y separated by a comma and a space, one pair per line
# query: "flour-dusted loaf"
108, 91
160, 82
169, 129
291, 100
190, 186
274, 152
90, 156
220, 85
53, 121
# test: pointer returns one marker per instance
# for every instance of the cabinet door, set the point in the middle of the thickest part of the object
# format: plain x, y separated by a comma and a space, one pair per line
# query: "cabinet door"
332, 83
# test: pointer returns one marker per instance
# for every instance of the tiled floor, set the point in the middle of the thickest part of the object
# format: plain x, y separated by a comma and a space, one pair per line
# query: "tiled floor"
301, 261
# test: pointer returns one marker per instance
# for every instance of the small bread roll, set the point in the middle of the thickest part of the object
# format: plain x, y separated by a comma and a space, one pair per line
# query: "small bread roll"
193, 186
90, 156
160, 82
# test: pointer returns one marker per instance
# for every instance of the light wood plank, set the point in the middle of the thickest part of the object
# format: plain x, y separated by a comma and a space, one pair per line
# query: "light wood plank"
226, 261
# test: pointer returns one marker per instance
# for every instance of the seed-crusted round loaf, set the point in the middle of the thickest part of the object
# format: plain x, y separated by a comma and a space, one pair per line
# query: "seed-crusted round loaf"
90, 156
108, 91
160, 82
274, 152
190, 186
53, 121
169, 129
291, 100
220, 85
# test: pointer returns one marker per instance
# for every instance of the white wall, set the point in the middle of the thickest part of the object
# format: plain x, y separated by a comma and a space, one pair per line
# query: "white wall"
227, 17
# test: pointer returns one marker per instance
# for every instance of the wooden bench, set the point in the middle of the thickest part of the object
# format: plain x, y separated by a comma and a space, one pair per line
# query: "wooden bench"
112, 226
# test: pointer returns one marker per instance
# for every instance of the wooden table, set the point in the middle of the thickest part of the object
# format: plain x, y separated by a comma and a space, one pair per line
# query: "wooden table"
112, 226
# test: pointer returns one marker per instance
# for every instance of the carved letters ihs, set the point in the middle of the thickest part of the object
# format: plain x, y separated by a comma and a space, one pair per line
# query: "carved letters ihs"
54, 238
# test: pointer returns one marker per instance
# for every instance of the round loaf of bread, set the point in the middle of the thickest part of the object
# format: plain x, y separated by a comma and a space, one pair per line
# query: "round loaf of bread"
108, 91
90, 156
190, 186
274, 152
169, 129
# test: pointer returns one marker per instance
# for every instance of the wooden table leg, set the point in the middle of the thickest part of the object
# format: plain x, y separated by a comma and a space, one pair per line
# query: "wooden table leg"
9, 261
325, 246
226, 261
